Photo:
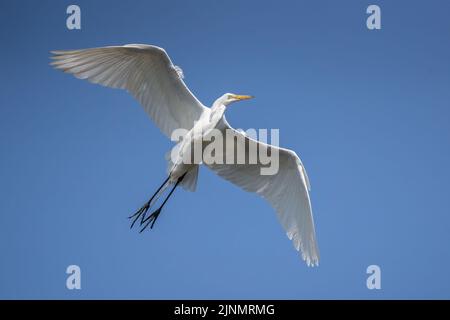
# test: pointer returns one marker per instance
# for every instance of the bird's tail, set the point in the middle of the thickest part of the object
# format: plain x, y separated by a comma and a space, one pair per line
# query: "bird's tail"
189, 182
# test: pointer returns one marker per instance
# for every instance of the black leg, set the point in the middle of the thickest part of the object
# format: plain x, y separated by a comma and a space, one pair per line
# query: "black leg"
151, 219
143, 210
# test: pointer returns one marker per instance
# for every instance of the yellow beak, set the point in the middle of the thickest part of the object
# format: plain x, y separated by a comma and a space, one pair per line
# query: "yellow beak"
242, 97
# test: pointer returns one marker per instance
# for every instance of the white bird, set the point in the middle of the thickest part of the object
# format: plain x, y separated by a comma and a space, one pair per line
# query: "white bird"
150, 76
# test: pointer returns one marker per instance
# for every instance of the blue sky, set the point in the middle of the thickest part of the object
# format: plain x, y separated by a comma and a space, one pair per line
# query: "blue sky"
367, 111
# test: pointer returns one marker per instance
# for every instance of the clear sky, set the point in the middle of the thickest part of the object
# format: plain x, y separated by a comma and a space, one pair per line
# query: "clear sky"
367, 111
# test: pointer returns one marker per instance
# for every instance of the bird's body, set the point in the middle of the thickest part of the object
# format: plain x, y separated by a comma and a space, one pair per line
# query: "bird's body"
210, 119
149, 75
207, 121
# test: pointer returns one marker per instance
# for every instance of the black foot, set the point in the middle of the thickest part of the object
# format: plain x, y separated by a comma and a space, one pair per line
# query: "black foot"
141, 212
150, 220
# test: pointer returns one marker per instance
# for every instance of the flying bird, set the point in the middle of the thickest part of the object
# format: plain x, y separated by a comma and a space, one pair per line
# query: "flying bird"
148, 73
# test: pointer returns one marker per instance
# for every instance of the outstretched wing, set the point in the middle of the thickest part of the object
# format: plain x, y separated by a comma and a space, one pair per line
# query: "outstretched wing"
146, 72
286, 191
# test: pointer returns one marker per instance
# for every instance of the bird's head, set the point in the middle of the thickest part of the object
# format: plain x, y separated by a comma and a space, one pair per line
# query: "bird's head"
229, 98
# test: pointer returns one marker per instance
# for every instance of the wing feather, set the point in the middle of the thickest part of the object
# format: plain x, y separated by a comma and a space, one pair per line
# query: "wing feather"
146, 72
286, 191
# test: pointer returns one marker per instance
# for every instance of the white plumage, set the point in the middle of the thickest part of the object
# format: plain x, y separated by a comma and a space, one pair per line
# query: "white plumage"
150, 76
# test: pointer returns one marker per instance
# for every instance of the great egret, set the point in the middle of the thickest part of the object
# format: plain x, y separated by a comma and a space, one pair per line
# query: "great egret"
150, 76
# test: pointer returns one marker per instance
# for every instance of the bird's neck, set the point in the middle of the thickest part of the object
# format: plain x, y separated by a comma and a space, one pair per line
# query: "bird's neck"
217, 111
